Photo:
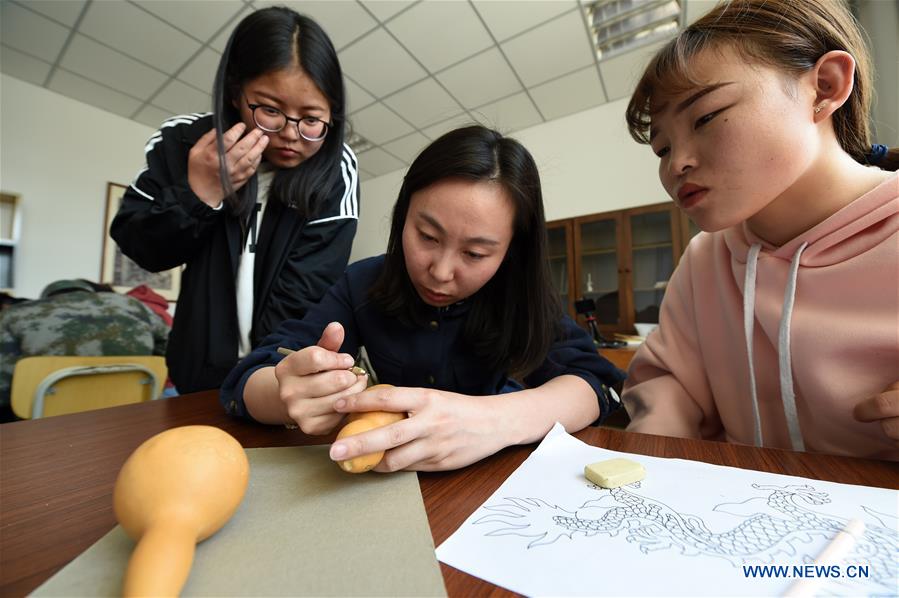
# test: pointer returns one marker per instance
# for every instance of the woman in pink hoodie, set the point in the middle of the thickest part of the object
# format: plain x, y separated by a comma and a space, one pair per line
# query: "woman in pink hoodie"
780, 326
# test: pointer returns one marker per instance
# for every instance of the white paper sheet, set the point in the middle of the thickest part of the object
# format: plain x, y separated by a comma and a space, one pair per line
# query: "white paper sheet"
688, 528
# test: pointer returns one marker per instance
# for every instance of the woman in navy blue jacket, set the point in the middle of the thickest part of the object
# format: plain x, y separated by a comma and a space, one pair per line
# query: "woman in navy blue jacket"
457, 313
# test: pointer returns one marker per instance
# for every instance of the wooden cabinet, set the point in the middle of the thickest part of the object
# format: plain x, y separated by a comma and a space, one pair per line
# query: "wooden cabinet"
561, 265
621, 259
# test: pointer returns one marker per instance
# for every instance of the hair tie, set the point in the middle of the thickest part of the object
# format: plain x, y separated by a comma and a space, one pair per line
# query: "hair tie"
877, 153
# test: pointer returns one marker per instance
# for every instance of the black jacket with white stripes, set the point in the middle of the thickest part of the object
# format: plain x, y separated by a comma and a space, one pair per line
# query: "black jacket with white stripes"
162, 224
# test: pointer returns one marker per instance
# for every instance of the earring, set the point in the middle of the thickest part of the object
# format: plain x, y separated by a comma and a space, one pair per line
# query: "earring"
819, 108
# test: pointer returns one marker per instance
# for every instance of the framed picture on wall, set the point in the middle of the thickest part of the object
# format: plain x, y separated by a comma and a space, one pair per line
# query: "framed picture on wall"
122, 272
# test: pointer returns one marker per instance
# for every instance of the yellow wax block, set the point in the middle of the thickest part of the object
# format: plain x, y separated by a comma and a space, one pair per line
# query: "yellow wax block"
612, 473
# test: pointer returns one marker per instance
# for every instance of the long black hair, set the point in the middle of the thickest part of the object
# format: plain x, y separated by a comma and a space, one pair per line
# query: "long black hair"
515, 316
268, 40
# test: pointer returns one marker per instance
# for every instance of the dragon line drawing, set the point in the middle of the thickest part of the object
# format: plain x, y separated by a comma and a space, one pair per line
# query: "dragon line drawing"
775, 526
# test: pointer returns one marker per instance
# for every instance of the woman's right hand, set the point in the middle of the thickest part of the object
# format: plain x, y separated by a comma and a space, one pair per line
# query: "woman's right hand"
242, 157
311, 380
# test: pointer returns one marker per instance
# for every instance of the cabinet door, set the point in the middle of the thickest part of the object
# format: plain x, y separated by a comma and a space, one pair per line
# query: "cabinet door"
688, 230
560, 249
597, 243
653, 254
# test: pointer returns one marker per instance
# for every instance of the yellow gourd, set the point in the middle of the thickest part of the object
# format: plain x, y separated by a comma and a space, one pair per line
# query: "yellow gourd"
362, 422
176, 489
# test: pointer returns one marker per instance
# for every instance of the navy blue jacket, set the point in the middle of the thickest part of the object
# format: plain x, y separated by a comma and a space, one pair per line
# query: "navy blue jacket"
430, 356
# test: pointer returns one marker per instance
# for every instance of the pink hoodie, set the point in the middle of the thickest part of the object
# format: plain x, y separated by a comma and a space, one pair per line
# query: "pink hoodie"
808, 363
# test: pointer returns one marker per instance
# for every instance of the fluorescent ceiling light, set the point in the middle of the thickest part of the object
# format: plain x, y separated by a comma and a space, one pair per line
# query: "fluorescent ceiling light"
621, 25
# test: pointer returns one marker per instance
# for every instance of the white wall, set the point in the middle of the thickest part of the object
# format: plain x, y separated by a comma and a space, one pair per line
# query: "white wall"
880, 21
375, 207
588, 163
58, 154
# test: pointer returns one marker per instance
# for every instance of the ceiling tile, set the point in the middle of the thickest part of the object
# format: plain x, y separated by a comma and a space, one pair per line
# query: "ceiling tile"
182, 99
200, 72
435, 131
343, 21
221, 40
698, 8
200, 19
510, 114
379, 162
385, 9
505, 19
424, 103
94, 61
379, 64
22, 66
138, 34
566, 36
378, 124
621, 73
64, 11
152, 116
569, 94
356, 97
407, 148
480, 79
100, 96
440, 33
31, 33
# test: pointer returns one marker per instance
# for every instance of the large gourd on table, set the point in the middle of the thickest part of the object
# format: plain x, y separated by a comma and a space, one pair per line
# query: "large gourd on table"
178, 488
362, 422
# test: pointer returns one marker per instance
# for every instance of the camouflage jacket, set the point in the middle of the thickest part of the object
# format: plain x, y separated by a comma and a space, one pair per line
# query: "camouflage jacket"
77, 323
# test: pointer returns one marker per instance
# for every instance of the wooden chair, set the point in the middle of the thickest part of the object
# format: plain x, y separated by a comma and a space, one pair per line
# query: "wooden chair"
55, 385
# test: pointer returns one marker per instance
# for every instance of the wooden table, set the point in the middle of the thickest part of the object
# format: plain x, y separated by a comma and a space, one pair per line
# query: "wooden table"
620, 357
57, 475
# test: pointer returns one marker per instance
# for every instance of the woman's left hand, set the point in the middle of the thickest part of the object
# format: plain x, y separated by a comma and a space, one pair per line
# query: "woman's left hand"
883, 407
444, 430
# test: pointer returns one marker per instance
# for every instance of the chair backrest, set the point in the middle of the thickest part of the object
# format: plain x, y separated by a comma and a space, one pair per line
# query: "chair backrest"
55, 385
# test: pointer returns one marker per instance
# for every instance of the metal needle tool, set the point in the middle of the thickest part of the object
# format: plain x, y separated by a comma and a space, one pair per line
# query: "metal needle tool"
355, 369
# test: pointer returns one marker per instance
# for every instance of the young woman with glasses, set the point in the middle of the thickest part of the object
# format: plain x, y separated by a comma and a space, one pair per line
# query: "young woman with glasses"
258, 200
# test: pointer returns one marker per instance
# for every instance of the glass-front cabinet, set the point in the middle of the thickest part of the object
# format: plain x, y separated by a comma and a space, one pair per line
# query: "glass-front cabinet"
560, 250
652, 262
597, 266
622, 260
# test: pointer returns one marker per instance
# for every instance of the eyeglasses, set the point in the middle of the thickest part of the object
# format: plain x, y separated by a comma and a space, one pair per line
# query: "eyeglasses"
272, 120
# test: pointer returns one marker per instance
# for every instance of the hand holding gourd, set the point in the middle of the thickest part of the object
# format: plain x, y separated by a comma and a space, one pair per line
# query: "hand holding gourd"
177, 489
362, 422
444, 430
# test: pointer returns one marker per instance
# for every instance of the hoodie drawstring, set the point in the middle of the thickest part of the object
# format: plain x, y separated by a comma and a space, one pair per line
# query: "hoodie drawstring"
748, 325
783, 350
787, 395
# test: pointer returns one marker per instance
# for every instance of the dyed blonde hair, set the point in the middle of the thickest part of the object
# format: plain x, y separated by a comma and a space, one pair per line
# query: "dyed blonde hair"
788, 35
